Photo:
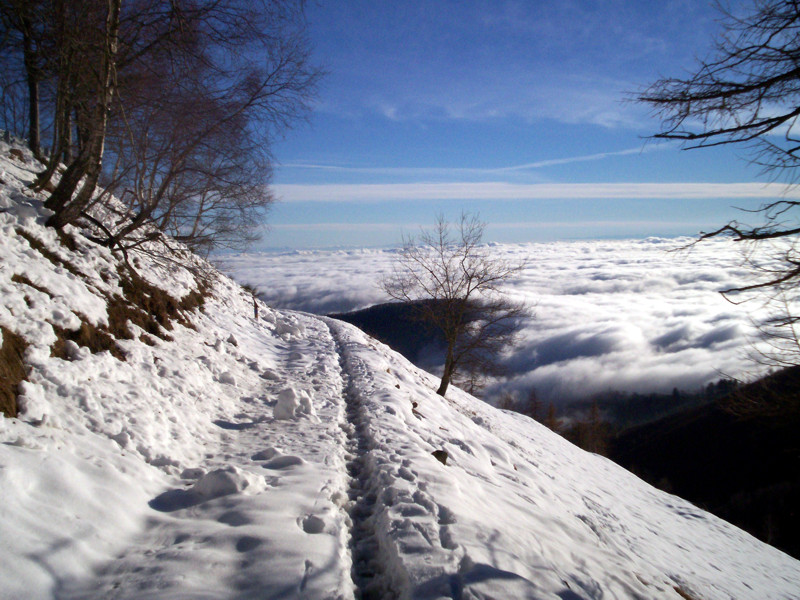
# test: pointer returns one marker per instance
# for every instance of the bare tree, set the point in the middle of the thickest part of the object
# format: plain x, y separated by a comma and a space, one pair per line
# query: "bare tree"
24, 19
181, 162
748, 94
172, 105
100, 33
453, 281
192, 147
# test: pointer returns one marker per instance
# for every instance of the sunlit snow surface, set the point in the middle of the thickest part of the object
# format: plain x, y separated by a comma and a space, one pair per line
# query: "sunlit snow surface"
263, 458
631, 315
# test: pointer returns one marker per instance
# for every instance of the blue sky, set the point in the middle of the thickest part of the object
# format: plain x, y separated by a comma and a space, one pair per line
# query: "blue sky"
513, 109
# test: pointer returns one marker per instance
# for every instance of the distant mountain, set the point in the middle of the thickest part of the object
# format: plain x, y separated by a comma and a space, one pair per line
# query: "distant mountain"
396, 325
744, 469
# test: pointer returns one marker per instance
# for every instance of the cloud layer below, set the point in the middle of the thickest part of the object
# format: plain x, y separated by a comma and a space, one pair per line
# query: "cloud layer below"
609, 315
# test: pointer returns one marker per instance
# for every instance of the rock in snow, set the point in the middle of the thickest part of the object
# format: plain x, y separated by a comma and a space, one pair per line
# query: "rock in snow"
156, 477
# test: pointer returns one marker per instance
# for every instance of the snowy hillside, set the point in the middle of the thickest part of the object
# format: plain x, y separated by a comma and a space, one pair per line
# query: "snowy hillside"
290, 456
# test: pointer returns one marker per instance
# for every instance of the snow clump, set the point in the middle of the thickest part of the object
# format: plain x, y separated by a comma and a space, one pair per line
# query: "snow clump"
292, 404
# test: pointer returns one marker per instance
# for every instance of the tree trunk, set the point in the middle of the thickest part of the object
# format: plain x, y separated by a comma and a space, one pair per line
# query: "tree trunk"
69, 141
34, 142
89, 160
32, 73
61, 198
65, 73
449, 368
59, 141
444, 384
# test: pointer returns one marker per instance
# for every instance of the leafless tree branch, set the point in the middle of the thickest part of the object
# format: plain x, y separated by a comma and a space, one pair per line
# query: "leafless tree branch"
452, 280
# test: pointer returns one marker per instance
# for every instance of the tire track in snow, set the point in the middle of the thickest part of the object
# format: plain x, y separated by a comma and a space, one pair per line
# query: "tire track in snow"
370, 576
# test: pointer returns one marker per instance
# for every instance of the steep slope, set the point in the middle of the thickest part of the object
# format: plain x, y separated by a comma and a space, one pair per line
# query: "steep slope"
744, 469
519, 512
224, 455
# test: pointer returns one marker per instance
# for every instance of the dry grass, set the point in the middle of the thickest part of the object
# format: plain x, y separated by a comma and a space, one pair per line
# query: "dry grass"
42, 249
96, 339
17, 154
12, 370
17, 278
150, 308
146, 306
684, 594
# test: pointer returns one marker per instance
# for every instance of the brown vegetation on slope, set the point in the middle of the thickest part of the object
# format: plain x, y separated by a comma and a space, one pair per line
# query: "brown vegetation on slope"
12, 370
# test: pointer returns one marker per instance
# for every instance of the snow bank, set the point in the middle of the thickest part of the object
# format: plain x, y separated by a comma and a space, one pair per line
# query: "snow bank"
143, 477
293, 404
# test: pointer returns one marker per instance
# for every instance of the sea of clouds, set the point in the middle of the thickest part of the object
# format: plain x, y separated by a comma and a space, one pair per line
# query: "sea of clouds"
628, 315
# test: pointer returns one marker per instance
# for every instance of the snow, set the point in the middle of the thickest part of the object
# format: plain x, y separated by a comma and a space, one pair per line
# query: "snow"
292, 456
293, 404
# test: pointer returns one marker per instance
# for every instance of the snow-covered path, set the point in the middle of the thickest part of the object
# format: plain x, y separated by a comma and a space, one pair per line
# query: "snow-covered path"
395, 522
263, 513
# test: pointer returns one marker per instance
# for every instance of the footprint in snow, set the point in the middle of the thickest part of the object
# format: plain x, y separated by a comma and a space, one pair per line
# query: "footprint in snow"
283, 462
235, 426
446, 516
267, 454
462, 445
247, 543
234, 518
313, 524
446, 539
406, 474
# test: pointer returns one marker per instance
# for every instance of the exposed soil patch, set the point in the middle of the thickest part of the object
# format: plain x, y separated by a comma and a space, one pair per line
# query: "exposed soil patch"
42, 249
142, 304
96, 339
12, 370
17, 154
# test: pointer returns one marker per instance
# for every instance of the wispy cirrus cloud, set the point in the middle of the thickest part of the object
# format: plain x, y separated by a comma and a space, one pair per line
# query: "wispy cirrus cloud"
337, 227
500, 190
567, 62
487, 171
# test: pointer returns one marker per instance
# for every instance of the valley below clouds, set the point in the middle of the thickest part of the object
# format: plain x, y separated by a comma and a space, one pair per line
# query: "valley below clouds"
623, 315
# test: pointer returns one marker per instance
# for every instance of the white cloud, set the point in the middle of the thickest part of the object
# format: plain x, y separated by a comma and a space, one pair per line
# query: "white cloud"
625, 315
455, 171
368, 192
336, 227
